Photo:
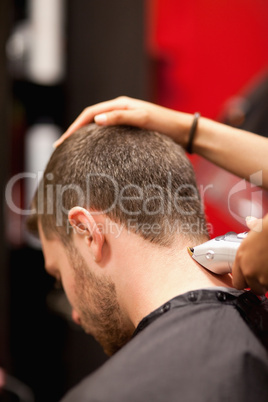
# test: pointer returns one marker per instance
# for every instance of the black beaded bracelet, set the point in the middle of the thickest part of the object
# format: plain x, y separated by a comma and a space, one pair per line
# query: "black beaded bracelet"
192, 133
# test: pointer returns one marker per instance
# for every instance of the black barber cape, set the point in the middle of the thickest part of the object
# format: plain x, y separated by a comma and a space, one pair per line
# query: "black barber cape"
204, 345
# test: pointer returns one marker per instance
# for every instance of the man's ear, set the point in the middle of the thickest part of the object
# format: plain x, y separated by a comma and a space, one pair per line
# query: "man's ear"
85, 225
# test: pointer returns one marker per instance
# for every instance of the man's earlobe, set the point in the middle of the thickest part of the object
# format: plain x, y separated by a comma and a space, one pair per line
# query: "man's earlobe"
85, 225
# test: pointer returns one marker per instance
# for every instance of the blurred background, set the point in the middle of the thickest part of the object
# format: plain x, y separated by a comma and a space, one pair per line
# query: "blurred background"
56, 58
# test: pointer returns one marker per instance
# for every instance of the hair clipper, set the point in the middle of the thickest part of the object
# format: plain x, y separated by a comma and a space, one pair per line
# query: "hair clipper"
217, 255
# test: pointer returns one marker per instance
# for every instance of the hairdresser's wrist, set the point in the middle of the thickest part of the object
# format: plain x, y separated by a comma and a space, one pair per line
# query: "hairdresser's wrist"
205, 132
209, 138
179, 126
202, 137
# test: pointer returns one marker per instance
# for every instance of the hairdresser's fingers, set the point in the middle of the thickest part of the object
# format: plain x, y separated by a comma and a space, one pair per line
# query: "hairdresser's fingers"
151, 117
87, 115
254, 224
250, 268
239, 281
257, 288
130, 111
137, 117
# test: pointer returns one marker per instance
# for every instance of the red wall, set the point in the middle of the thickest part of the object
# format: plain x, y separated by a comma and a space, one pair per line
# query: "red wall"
205, 52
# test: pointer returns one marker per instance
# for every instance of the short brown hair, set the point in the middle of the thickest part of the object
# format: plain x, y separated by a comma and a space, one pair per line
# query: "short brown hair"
138, 178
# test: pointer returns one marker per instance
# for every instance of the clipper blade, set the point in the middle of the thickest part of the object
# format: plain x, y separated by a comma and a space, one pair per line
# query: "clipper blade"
190, 251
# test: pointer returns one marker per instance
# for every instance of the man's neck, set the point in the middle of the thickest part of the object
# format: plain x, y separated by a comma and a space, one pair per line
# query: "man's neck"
151, 275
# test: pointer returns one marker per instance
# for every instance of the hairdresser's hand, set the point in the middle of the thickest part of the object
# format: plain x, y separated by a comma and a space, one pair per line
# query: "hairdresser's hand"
251, 264
128, 111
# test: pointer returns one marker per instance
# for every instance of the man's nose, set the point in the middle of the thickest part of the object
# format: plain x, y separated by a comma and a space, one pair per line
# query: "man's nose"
75, 317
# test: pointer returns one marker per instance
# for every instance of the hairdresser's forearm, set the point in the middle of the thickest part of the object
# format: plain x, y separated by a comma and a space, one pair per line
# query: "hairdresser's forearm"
238, 151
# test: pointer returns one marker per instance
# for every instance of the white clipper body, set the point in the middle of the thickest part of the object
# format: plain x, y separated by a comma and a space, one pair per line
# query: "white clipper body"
217, 255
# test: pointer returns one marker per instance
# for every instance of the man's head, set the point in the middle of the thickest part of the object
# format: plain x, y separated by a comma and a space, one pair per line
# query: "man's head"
100, 185
139, 179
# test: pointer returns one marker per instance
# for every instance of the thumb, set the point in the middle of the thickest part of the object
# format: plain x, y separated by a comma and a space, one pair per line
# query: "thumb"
254, 223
